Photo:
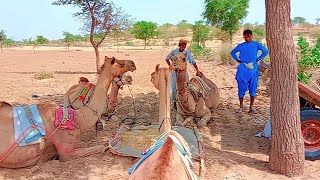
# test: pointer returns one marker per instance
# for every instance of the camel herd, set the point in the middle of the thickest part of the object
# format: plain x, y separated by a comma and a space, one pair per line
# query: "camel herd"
172, 158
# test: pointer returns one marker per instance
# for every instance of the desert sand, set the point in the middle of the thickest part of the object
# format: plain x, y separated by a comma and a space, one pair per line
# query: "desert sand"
232, 152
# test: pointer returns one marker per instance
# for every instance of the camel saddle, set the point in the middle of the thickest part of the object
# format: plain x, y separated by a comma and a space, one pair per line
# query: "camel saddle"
28, 125
65, 118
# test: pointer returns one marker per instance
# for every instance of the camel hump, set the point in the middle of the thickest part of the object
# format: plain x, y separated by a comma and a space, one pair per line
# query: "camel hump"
4, 104
83, 79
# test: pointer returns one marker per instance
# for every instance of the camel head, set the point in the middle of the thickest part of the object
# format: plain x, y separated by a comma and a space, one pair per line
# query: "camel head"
119, 67
155, 76
179, 62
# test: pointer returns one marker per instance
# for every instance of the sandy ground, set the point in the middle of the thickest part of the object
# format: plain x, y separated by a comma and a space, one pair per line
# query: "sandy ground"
231, 150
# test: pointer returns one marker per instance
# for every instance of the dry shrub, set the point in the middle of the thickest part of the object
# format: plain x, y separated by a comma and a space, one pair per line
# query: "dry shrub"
43, 75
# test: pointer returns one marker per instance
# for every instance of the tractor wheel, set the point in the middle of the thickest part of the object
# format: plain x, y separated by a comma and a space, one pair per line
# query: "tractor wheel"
310, 128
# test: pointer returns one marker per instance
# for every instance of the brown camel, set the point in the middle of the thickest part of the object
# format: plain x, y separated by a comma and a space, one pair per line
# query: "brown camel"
190, 97
57, 142
71, 98
167, 162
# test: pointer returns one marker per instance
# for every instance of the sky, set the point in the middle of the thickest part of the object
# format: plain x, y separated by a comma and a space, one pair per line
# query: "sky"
23, 19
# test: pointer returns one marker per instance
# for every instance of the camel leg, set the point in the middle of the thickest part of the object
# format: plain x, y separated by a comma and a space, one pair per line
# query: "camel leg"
67, 146
204, 119
81, 152
179, 119
188, 119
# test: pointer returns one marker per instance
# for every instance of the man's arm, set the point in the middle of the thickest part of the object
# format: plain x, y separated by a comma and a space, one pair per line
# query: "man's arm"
233, 53
193, 62
169, 56
264, 52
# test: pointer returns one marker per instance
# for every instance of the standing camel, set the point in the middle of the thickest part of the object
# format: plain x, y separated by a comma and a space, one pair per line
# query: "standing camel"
192, 97
170, 157
57, 142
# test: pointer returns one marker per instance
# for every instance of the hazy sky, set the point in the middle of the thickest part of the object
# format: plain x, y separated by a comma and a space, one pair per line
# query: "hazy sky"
22, 19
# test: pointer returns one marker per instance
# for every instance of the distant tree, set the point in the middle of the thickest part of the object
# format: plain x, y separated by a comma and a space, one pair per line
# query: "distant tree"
38, 42
200, 33
100, 18
299, 21
68, 38
318, 21
2, 38
8, 42
182, 25
226, 14
167, 25
145, 30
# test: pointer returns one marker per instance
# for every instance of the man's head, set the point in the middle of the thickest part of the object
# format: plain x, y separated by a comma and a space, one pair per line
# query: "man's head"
247, 35
182, 44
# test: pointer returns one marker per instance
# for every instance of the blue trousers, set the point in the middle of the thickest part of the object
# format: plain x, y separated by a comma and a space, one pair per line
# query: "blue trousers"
251, 85
174, 86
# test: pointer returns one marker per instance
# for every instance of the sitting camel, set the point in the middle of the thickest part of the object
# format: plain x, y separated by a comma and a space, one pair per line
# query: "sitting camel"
170, 157
73, 99
60, 138
195, 97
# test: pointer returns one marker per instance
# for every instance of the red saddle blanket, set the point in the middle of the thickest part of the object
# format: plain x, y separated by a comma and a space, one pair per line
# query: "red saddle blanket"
65, 118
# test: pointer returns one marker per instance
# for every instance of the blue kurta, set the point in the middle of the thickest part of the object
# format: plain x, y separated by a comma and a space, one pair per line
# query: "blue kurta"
246, 78
174, 76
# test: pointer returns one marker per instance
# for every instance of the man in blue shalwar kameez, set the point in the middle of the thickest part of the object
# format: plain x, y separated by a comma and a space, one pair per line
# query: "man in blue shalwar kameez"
182, 48
248, 70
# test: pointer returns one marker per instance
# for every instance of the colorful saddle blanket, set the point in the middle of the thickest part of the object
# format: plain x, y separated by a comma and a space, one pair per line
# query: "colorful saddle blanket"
86, 93
28, 125
65, 118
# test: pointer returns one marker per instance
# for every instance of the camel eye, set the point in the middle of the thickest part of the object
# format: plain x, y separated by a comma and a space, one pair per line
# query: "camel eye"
121, 65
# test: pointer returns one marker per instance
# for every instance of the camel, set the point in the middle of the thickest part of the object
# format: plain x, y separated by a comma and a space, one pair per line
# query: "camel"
192, 96
166, 162
72, 99
58, 142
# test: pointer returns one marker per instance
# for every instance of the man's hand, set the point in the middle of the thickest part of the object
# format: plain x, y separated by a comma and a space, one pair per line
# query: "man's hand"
199, 73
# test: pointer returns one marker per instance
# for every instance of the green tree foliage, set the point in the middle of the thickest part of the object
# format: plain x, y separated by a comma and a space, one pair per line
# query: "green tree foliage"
145, 30
309, 58
299, 21
226, 14
100, 19
69, 39
2, 38
183, 25
38, 42
200, 33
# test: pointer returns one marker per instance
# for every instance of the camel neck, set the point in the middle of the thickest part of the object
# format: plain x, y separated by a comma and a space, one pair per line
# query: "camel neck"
181, 81
164, 107
89, 114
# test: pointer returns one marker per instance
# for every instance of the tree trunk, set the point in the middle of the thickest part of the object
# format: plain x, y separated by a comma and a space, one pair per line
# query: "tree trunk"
1, 47
145, 43
96, 50
287, 148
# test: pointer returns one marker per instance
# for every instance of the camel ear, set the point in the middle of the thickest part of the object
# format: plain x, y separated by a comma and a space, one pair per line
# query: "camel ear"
113, 60
157, 67
106, 58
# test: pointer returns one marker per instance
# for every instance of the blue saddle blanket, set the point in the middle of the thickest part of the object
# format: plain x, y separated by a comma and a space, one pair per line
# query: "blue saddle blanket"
28, 125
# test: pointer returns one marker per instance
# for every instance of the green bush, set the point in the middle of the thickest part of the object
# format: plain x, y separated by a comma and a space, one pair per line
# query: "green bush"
309, 58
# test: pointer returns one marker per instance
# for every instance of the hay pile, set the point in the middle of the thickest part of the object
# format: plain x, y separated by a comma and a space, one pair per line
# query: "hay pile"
138, 140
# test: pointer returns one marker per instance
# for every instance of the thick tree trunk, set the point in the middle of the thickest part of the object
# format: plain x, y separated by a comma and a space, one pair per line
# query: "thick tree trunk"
287, 149
145, 43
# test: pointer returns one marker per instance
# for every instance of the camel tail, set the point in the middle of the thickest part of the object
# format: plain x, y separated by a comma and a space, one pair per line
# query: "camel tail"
4, 104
